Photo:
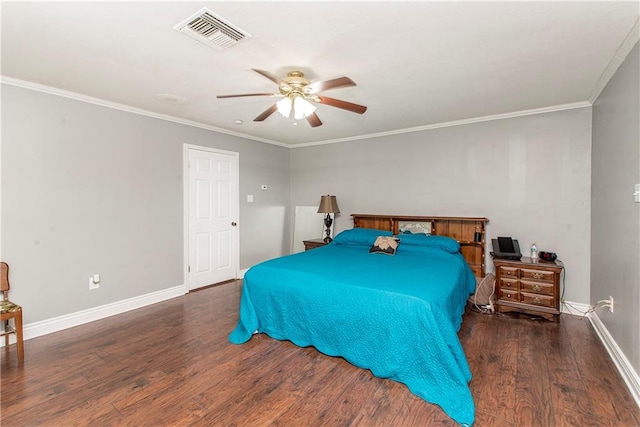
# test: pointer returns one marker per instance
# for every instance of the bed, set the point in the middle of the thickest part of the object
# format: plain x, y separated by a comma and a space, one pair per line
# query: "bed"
397, 316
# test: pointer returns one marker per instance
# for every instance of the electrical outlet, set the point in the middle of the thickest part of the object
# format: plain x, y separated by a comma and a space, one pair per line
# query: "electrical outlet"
610, 304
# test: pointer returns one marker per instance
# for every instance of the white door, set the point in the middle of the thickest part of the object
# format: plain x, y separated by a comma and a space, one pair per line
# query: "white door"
212, 218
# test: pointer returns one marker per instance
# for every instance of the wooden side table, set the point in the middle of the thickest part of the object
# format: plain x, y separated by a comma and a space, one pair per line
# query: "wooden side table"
313, 243
528, 286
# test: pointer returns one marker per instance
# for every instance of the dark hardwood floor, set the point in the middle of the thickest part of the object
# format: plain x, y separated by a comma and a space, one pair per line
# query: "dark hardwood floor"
170, 364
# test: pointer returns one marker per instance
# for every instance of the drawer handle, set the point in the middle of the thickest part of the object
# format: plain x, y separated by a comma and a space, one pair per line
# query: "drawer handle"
536, 288
508, 273
537, 275
537, 300
508, 295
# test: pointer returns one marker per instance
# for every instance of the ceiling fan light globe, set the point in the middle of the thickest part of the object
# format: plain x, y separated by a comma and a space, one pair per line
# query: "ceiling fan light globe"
284, 107
302, 108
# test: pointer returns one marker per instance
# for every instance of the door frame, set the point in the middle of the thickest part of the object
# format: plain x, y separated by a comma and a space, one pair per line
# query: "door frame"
185, 210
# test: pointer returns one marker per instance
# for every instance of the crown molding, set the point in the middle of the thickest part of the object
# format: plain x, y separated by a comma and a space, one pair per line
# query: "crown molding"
510, 115
116, 106
618, 58
101, 102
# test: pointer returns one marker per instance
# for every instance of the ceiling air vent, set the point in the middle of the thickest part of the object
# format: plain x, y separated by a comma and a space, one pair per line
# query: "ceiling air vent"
211, 29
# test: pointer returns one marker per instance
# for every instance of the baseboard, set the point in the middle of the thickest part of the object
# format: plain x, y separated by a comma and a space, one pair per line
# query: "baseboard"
629, 375
44, 327
242, 272
575, 308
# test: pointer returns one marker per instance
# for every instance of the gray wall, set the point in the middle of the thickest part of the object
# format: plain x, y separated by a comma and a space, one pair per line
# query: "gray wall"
88, 189
615, 227
529, 175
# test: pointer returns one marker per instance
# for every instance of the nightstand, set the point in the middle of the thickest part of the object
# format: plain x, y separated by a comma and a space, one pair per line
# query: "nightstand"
313, 243
528, 286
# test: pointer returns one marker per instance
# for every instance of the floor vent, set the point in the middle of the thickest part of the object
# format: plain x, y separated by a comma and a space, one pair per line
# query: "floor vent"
211, 29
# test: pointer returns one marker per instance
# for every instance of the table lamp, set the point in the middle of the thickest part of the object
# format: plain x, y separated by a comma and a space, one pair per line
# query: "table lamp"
328, 205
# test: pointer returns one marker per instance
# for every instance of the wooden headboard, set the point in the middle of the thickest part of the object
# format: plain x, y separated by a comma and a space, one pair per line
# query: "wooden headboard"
462, 229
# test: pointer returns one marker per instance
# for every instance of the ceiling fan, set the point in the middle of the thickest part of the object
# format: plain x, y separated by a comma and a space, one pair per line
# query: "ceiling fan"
297, 91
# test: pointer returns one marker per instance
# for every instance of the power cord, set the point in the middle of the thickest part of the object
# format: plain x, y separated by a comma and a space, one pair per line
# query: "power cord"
599, 304
489, 308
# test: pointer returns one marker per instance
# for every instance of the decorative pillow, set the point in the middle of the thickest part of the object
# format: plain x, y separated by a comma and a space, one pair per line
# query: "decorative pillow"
441, 242
385, 245
359, 236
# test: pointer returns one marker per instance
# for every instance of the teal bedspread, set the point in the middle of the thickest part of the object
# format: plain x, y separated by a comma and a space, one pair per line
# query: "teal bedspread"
395, 315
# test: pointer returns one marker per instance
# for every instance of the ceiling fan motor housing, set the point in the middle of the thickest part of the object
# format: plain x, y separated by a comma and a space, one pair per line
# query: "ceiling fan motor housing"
294, 85
296, 79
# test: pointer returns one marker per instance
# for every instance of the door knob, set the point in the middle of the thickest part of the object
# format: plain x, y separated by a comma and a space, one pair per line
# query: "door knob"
234, 224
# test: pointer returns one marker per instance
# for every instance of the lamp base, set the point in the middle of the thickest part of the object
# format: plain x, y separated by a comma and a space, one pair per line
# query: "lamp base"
327, 223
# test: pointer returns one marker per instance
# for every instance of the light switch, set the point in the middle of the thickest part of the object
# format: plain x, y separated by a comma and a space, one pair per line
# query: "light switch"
249, 198
636, 193
94, 281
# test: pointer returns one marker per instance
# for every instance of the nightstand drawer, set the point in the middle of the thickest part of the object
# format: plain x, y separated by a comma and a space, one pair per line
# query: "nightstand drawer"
509, 272
509, 295
547, 276
509, 284
536, 299
537, 287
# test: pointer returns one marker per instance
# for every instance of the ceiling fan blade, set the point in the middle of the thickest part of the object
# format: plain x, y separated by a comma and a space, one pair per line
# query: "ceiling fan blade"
274, 78
316, 87
354, 108
247, 94
314, 120
266, 113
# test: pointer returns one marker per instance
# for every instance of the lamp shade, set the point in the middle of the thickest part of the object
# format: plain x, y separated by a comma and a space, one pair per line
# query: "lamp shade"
328, 204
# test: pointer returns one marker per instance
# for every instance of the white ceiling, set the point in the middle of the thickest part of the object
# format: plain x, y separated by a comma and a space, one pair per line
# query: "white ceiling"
416, 64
